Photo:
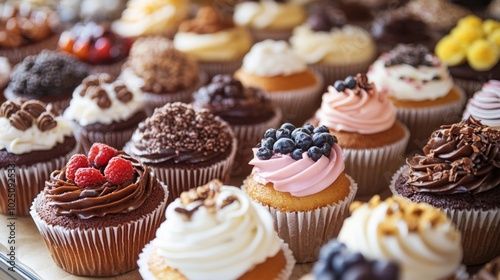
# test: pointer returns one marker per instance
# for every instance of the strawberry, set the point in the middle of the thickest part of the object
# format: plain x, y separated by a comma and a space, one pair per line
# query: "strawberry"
88, 176
100, 154
76, 162
119, 170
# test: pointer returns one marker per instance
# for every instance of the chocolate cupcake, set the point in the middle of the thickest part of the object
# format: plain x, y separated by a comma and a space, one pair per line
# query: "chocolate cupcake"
491, 271
249, 112
49, 77
34, 140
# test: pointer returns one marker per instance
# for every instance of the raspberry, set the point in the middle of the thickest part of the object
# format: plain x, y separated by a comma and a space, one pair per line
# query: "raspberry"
88, 176
100, 154
76, 162
119, 170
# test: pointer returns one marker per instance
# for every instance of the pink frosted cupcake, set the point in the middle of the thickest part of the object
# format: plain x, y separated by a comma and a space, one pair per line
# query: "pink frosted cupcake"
485, 105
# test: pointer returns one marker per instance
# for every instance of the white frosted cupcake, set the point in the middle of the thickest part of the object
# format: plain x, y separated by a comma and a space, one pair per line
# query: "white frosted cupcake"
485, 105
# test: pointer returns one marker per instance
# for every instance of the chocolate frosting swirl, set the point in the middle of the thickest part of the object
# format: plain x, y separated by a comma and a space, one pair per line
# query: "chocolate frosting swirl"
97, 201
459, 158
400, 26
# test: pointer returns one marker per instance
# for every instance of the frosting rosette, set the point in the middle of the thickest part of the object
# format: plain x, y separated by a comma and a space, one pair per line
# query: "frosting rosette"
485, 105
269, 15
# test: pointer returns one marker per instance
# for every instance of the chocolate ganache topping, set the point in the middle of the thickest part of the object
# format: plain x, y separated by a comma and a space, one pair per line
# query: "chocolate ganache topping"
23, 114
101, 199
459, 158
400, 26
227, 98
177, 133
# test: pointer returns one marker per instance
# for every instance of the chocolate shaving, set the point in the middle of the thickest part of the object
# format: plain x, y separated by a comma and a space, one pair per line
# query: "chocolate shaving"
100, 96
34, 107
122, 93
187, 214
363, 83
46, 122
21, 120
8, 108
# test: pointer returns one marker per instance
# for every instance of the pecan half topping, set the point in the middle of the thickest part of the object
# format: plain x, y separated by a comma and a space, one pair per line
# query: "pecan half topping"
122, 93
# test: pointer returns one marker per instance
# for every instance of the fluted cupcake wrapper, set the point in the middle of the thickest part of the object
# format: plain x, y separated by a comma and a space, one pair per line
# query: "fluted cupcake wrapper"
332, 73
16, 55
116, 139
103, 251
248, 136
259, 35
29, 182
480, 229
423, 121
220, 67
469, 86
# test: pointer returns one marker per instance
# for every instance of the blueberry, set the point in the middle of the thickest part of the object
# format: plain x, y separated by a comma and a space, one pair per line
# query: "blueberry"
326, 149
284, 146
264, 153
350, 82
268, 143
283, 133
296, 154
386, 269
358, 272
303, 141
323, 137
345, 260
314, 153
332, 248
288, 126
270, 133
339, 86
309, 127
320, 129
299, 129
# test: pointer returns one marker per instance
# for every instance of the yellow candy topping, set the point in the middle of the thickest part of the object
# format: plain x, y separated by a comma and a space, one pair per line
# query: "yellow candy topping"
470, 21
467, 34
494, 37
483, 55
451, 51
489, 26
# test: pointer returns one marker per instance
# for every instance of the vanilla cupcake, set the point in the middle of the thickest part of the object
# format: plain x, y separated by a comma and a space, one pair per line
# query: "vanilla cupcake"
214, 40
275, 68
485, 105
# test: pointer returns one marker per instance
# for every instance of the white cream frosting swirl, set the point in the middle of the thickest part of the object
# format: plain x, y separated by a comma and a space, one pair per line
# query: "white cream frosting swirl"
223, 245
485, 105
346, 45
226, 45
269, 15
405, 82
432, 251
273, 58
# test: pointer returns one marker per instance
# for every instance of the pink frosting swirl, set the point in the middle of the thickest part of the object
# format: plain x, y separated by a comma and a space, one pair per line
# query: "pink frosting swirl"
485, 104
299, 177
356, 110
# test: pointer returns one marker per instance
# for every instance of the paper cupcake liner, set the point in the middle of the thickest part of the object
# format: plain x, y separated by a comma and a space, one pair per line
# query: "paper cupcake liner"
423, 121
103, 251
332, 73
469, 86
299, 105
480, 229
29, 182
16, 55
116, 139
146, 274
153, 100
112, 69
248, 136
259, 35
223, 67
60, 105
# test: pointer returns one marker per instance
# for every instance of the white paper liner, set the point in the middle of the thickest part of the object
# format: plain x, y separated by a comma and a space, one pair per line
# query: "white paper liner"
372, 168
148, 249
248, 136
300, 104
16, 55
423, 121
153, 100
102, 251
332, 73
259, 35
222, 67
480, 228
469, 86
116, 139
29, 182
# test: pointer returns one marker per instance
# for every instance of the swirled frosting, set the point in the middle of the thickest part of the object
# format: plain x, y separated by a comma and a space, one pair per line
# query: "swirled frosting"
23, 124
343, 45
269, 15
362, 109
177, 133
417, 236
100, 100
485, 105
216, 232
273, 58
99, 200
411, 72
458, 158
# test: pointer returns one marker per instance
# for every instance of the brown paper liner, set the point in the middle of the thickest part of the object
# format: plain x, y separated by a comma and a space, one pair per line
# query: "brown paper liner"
29, 182
104, 251
16, 55
480, 229
222, 67
259, 35
115, 139
469, 86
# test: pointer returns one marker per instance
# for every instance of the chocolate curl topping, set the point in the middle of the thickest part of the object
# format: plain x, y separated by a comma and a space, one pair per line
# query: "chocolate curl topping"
8, 108
22, 114
92, 87
363, 83
21, 120
122, 93
46, 122
34, 107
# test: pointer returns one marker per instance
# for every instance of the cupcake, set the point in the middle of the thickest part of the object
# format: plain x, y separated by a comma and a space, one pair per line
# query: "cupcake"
214, 40
49, 77
216, 232
459, 173
184, 147
34, 140
364, 121
485, 105
472, 52
161, 72
299, 176
275, 68
490, 271
270, 19
421, 239
441, 15
5, 70
103, 207
420, 87
71, 11
248, 111
151, 18
332, 47
493, 10
105, 111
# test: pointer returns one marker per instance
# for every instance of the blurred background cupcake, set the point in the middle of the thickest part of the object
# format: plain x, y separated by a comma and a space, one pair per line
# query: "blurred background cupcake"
420, 87
214, 40
440, 15
34, 140
72, 11
275, 68
161, 72
248, 110
490, 271
485, 105
459, 173
105, 111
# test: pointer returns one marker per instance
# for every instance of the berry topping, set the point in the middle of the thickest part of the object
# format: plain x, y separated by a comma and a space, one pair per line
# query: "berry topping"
283, 133
350, 82
314, 153
268, 143
309, 127
339, 86
320, 138
320, 129
299, 129
297, 154
326, 149
270, 133
100, 154
288, 126
119, 171
303, 141
264, 153
76, 162
88, 176
284, 146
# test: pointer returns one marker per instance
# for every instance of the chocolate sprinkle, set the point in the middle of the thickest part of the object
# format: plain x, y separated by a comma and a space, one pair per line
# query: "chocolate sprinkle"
414, 55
